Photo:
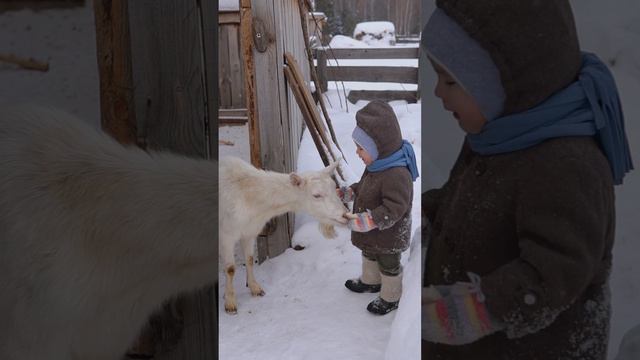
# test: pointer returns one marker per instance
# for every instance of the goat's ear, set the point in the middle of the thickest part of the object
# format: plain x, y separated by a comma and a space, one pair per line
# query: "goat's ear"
329, 169
296, 180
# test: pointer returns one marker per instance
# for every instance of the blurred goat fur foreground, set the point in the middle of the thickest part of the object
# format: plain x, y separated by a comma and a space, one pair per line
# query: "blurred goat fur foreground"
94, 236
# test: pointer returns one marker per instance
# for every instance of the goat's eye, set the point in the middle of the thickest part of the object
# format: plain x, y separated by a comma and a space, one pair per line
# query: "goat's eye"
317, 196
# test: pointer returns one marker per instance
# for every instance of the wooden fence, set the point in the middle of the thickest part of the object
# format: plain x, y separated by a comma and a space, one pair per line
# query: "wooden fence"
393, 74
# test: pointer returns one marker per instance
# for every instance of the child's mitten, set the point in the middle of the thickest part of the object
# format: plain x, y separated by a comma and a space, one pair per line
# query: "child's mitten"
458, 315
361, 222
345, 193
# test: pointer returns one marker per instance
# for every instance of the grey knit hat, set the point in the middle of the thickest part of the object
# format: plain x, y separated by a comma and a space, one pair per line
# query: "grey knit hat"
449, 46
365, 141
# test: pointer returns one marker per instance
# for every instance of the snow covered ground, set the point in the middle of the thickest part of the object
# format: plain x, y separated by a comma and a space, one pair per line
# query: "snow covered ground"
611, 29
66, 38
307, 312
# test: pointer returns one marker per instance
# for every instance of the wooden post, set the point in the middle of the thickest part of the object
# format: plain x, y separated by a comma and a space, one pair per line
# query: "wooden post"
321, 67
246, 43
168, 49
114, 64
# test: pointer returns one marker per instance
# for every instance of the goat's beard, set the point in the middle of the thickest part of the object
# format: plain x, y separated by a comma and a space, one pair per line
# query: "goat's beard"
328, 231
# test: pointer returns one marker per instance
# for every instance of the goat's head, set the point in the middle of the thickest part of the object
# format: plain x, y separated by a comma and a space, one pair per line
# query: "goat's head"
317, 195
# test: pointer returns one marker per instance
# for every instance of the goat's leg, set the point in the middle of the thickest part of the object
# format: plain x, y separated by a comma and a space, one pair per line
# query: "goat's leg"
247, 248
230, 302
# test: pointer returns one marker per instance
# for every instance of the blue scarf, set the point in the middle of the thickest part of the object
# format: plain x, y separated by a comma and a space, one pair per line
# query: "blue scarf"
403, 157
588, 107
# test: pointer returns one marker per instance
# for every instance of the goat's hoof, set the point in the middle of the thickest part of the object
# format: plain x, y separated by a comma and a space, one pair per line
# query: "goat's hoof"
231, 310
258, 292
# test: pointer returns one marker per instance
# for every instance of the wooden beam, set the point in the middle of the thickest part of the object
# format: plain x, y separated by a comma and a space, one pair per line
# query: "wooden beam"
246, 44
373, 53
114, 66
229, 18
384, 95
395, 74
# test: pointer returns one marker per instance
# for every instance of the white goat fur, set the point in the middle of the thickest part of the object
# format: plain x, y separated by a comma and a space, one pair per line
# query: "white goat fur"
250, 197
93, 236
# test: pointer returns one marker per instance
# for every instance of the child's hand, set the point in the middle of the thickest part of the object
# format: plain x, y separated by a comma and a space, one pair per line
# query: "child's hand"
456, 314
361, 222
345, 193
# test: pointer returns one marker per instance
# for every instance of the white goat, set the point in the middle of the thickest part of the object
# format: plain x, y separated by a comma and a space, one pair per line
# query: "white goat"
94, 236
250, 197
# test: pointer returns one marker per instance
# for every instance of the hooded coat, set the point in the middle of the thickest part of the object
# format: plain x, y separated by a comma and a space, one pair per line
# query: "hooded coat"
536, 224
388, 194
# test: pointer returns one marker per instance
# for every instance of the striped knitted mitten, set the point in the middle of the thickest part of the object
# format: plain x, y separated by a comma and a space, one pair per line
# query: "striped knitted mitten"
361, 222
345, 193
456, 314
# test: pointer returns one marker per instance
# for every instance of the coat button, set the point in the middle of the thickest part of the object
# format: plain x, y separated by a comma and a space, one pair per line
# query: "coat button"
481, 167
530, 299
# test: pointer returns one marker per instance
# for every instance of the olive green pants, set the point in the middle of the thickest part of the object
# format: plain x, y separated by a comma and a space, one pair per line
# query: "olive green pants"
389, 264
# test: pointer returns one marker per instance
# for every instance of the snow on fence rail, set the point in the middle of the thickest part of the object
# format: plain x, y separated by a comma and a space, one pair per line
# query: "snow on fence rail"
396, 74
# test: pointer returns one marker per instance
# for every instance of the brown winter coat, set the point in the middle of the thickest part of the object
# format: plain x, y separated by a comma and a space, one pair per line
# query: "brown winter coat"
538, 226
388, 193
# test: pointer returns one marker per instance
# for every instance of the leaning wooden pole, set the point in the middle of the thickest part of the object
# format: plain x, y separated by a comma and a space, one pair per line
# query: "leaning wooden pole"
309, 110
304, 8
246, 43
306, 115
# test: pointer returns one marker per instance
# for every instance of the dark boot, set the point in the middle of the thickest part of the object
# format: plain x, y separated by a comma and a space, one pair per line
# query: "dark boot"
389, 295
356, 285
381, 307
369, 282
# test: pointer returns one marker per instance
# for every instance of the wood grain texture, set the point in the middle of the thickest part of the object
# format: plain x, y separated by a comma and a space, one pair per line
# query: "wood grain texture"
373, 53
174, 67
114, 66
394, 74
250, 86
384, 95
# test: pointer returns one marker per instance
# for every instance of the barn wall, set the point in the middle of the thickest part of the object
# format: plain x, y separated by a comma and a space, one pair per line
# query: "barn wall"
280, 120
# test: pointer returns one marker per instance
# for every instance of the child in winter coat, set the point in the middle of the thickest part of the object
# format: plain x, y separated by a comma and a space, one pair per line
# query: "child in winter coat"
382, 201
520, 240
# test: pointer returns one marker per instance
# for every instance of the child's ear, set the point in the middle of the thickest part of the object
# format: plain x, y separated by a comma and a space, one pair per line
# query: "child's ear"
296, 180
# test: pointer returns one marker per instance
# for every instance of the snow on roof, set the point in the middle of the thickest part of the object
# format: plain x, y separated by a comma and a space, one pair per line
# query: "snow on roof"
229, 5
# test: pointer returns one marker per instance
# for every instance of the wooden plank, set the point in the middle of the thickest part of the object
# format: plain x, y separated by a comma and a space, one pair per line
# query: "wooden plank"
114, 65
251, 90
225, 95
232, 112
399, 74
236, 67
209, 30
172, 103
373, 53
384, 95
225, 18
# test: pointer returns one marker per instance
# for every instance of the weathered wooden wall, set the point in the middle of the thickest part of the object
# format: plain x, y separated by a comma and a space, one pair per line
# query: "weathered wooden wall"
158, 70
280, 118
230, 69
